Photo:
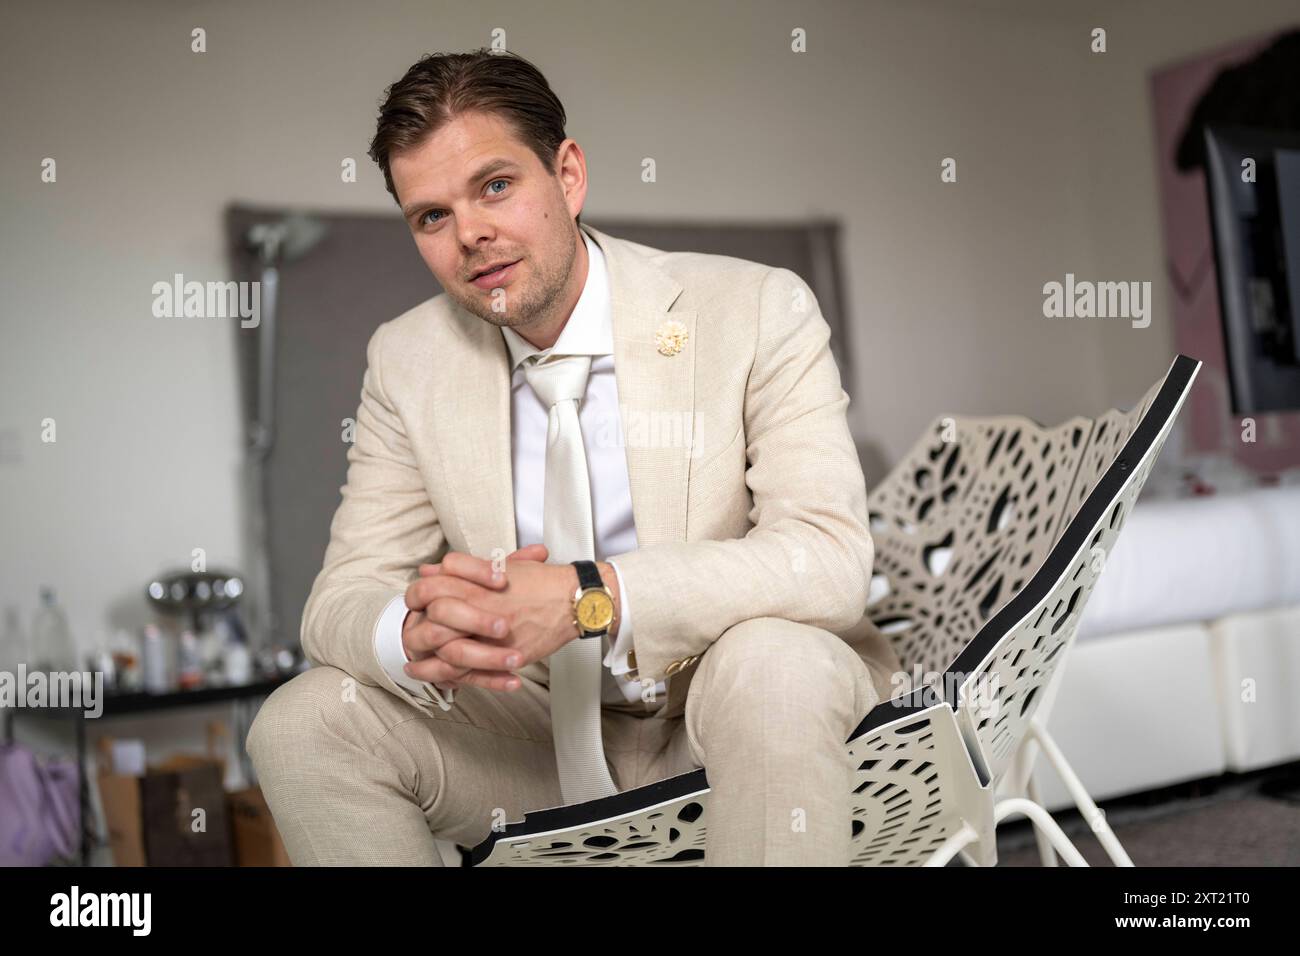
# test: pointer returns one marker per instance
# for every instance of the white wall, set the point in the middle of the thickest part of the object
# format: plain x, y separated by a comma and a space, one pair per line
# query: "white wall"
1119, 162
152, 141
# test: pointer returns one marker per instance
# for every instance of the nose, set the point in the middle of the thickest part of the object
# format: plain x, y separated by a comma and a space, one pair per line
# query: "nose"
474, 231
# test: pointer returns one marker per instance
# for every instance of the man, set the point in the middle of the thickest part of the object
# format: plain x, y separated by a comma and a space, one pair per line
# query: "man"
664, 433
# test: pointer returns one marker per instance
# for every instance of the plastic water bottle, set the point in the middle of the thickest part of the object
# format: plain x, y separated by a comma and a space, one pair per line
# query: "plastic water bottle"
153, 656
52, 644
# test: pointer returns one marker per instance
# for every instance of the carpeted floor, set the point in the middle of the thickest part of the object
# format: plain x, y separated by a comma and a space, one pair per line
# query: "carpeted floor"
1233, 820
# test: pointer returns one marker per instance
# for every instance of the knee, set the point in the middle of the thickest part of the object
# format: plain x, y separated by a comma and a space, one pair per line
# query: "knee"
766, 656
294, 714
787, 647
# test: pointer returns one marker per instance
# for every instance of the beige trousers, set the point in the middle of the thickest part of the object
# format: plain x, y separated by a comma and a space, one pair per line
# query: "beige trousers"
355, 775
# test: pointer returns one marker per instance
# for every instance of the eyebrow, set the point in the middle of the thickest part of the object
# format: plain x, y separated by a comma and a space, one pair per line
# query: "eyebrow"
487, 169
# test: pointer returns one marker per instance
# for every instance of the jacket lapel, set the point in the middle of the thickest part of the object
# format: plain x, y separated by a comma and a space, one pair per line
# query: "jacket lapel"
472, 427
656, 392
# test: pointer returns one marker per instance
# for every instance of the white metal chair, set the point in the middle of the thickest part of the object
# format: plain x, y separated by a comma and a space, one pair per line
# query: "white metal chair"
990, 536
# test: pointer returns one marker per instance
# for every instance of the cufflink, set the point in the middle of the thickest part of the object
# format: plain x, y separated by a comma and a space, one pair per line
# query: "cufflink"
677, 667
671, 337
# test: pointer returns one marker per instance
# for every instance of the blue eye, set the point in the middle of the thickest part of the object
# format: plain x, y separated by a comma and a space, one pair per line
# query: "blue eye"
424, 220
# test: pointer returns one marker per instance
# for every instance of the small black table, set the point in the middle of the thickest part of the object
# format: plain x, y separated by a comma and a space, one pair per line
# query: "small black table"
120, 705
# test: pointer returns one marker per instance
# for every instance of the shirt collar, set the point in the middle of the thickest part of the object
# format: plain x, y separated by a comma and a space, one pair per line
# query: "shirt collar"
589, 330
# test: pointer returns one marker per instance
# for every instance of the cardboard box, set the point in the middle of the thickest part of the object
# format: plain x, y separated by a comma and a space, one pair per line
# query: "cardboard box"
119, 795
184, 817
257, 841
174, 815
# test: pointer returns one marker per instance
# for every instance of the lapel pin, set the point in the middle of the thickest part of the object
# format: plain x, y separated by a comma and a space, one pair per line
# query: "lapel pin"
671, 337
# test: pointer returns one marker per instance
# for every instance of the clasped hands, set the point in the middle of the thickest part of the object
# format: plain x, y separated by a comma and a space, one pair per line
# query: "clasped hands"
469, 624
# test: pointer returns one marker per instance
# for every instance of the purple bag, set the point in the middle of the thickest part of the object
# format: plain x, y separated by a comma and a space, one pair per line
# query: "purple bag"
40, 815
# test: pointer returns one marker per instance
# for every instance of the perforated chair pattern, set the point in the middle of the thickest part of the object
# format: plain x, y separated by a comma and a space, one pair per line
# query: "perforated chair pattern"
990, 536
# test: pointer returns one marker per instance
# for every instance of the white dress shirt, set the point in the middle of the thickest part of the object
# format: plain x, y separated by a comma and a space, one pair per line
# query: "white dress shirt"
589, 331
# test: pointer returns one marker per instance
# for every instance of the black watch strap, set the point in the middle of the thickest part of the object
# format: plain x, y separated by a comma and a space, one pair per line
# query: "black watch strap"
588, 574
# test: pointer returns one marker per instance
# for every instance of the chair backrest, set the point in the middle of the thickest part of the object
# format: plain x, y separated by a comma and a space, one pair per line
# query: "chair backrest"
1001, 676
972, 512
991, 542
961, 524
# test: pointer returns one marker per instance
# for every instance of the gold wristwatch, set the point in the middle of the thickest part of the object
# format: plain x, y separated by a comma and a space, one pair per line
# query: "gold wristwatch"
593, 603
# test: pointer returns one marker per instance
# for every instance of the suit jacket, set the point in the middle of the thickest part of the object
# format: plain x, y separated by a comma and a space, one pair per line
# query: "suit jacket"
747, 491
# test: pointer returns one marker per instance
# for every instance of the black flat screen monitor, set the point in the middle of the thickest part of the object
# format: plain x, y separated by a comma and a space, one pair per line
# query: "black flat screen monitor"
1253, 178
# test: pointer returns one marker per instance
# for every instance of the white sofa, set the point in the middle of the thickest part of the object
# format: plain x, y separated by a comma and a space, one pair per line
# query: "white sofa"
1187, 659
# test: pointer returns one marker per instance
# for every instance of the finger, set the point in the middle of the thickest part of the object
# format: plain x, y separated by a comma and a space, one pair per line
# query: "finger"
473, 569
421, 592
491, 579
430, 570
425, 637
532, 552
468, 567
493, 681
460, 615
436, 670
455, 682
480, 655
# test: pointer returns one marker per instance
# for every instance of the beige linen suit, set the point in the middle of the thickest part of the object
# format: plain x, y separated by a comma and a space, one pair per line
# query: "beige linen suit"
747, 588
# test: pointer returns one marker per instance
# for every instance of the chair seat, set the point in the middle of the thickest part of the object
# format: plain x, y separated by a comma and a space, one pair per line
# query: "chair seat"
913, 775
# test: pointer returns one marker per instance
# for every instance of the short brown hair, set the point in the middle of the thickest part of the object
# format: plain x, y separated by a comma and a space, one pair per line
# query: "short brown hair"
441, 86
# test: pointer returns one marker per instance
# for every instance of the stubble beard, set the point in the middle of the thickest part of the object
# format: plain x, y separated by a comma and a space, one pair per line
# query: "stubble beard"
527, 308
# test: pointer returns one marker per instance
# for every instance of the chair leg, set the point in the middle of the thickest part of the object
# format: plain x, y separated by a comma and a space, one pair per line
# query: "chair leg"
1043, 823
1020, 781
952, 846
1095, 816
1045, 851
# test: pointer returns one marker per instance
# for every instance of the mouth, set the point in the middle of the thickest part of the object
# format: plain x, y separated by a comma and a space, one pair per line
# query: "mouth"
494, 275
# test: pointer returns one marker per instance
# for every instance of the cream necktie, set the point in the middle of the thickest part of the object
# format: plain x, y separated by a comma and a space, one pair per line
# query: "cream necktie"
568, 533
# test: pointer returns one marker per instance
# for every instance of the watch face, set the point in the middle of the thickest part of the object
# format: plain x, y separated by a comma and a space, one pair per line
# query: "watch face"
595, 610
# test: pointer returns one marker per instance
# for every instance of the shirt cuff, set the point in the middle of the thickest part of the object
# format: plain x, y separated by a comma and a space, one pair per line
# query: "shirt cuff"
616, 659
392, 655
